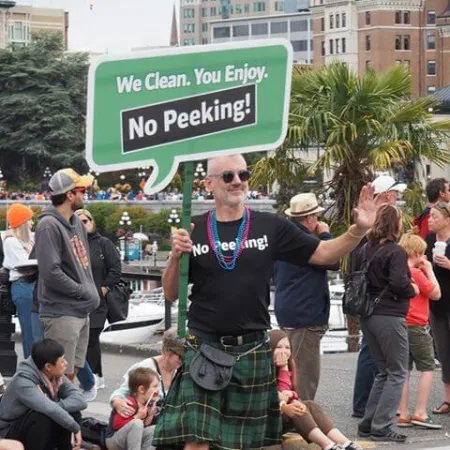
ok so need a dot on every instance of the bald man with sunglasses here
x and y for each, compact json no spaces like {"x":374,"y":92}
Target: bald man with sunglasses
{"x":232,"y":250}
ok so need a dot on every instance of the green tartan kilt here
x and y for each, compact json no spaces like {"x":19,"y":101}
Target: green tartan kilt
{"x":245,"y":415}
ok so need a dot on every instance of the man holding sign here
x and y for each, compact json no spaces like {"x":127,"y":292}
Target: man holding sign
{"x":227,"y":398}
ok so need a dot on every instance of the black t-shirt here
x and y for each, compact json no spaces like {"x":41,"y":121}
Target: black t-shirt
{"x":441,"y":306}
{"x":235,"y":301}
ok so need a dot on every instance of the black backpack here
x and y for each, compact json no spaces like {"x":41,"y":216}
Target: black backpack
{"x":358,"y":301}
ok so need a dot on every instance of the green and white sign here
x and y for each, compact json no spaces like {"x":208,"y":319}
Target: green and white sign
{"x":171,"y":105}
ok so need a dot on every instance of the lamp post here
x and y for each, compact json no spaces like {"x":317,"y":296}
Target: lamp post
{"x":174,"y":220}
{"x":125,"y":221}
{"x":1,"y":180}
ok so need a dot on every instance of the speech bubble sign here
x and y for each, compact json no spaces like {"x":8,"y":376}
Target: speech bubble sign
{"x":166,"y":106}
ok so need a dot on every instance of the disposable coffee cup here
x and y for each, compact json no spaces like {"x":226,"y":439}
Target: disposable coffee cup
{"x":439,"y":248}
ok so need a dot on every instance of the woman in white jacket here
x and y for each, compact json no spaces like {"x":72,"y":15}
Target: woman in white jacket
{"x":17,"y":245}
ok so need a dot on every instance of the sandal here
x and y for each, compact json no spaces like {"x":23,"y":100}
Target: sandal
{"x":444,"y":408}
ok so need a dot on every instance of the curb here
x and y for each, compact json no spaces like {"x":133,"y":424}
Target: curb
{"x":147,"y":350}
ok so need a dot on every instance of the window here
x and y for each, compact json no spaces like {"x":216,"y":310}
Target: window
{"x":189,"y":13}
{"x":431,"y":67}
{"x":431,"y":17}
{"x":189,"y":28}
{"x":368,"y":43}
{"x":398,"y":17}
{"x":431,"y":41}
{"x":279,"y":27}
{"x":323,"y":48}
{"x":338,"y":21}
{"x":431,"y":89}
{"x":406,"y":42}
{"x":246,"y":8}
{"x":368,"y":64}
{"x":368,"y":18}
{"x":344,"y":20}
{"x":240,"y":30}
{"x":402,"y":42}
{"x":19,"y":34}
{"x":331,"y":21}
{"x":406,"y":17}
{"x":221,"y":32}
{"x":238,"y":9}
{"x":279,"y":6}
{"x":300,"y":46}
{"x":204,"y":12}
{"x":344,"y":45}
{"x":331,"y":46}
{"x":259,"y":29}
{"x":204,"y":41}
{"x":259,"y":6}
{"x":213,"y":11}
{"x":398,"y":62}
{"x":189,"y":42}
{"x":204,"y":27}
{"x":407,"y":62}
{"x":299,"y":25}
{"x":338,"y":46}
{"x":322,"y":24}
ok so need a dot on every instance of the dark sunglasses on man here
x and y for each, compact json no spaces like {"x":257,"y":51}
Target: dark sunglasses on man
{"x":228,"y":175}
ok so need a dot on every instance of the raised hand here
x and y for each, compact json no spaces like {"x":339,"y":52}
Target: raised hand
{"x":365,"y":211}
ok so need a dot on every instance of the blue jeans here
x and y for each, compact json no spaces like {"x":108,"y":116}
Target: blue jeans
{"x":36,"y":327}
{"x":86,"y":377}
{"x":366,"y":371}
{"x":22,"y":297}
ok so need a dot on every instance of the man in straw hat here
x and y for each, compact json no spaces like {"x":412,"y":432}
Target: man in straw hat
{"x":302,"y":297}
{"x":66,"y":290}
{"x":232,"y":250}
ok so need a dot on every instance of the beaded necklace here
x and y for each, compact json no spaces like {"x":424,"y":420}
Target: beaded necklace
{"x":228,"y":262}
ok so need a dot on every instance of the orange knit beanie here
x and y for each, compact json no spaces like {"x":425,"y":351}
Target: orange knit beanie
{"x":18,"y":214}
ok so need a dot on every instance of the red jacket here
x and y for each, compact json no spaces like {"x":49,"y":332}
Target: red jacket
{"x":422,"y":223}
{"x":120,"y":421}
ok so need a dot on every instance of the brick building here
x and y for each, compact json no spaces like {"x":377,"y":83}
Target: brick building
{"x":17,"y":23}
{"x":380,"y":33}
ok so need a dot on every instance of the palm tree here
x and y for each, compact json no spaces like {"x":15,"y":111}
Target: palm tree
{"x":362,"y":124}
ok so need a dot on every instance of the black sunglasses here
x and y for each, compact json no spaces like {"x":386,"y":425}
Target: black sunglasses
{"x":86,"y":221}
{"x":228,"y":176}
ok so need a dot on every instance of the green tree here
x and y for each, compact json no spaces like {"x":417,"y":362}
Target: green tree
{"x":43,"y":104}
{"x":361,"y":124}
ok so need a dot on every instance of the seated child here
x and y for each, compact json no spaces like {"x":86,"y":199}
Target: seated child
{"x":421,"y":351}
{"x":135,"y":432}
{"x":305,"y":418}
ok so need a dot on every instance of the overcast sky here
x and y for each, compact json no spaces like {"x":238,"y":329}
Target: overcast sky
{"x":114,"y":25}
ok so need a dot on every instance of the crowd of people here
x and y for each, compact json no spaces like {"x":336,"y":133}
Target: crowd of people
{"x":230,"y":383}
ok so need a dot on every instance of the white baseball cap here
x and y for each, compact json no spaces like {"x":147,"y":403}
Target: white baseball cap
{"x":385,"y":183}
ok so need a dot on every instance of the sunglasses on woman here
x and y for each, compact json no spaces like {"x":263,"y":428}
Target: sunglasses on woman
{"x":443,"y":207}
{"x":228,"y":175}
{"x":86,"y":221}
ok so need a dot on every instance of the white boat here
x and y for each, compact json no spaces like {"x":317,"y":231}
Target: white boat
{"x":335,"y":339}
{"x":145,"y":316}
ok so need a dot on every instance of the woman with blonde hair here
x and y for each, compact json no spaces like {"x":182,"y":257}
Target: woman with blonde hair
{"x":18,"y":242}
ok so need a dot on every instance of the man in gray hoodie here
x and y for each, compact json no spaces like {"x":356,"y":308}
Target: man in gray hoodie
{"x":40,"y":403}
{"x":66,"y":290}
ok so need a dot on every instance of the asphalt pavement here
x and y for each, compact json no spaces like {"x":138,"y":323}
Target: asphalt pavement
{"x":334,"y":395}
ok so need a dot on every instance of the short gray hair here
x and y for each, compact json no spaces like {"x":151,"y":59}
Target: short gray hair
{"x":172,"y":342}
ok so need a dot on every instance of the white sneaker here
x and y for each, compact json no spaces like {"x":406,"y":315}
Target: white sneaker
{"x":99,"y":382}
{"x":91,"y":395}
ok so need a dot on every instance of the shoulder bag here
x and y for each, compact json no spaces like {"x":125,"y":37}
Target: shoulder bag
{"x":358,"y":301}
